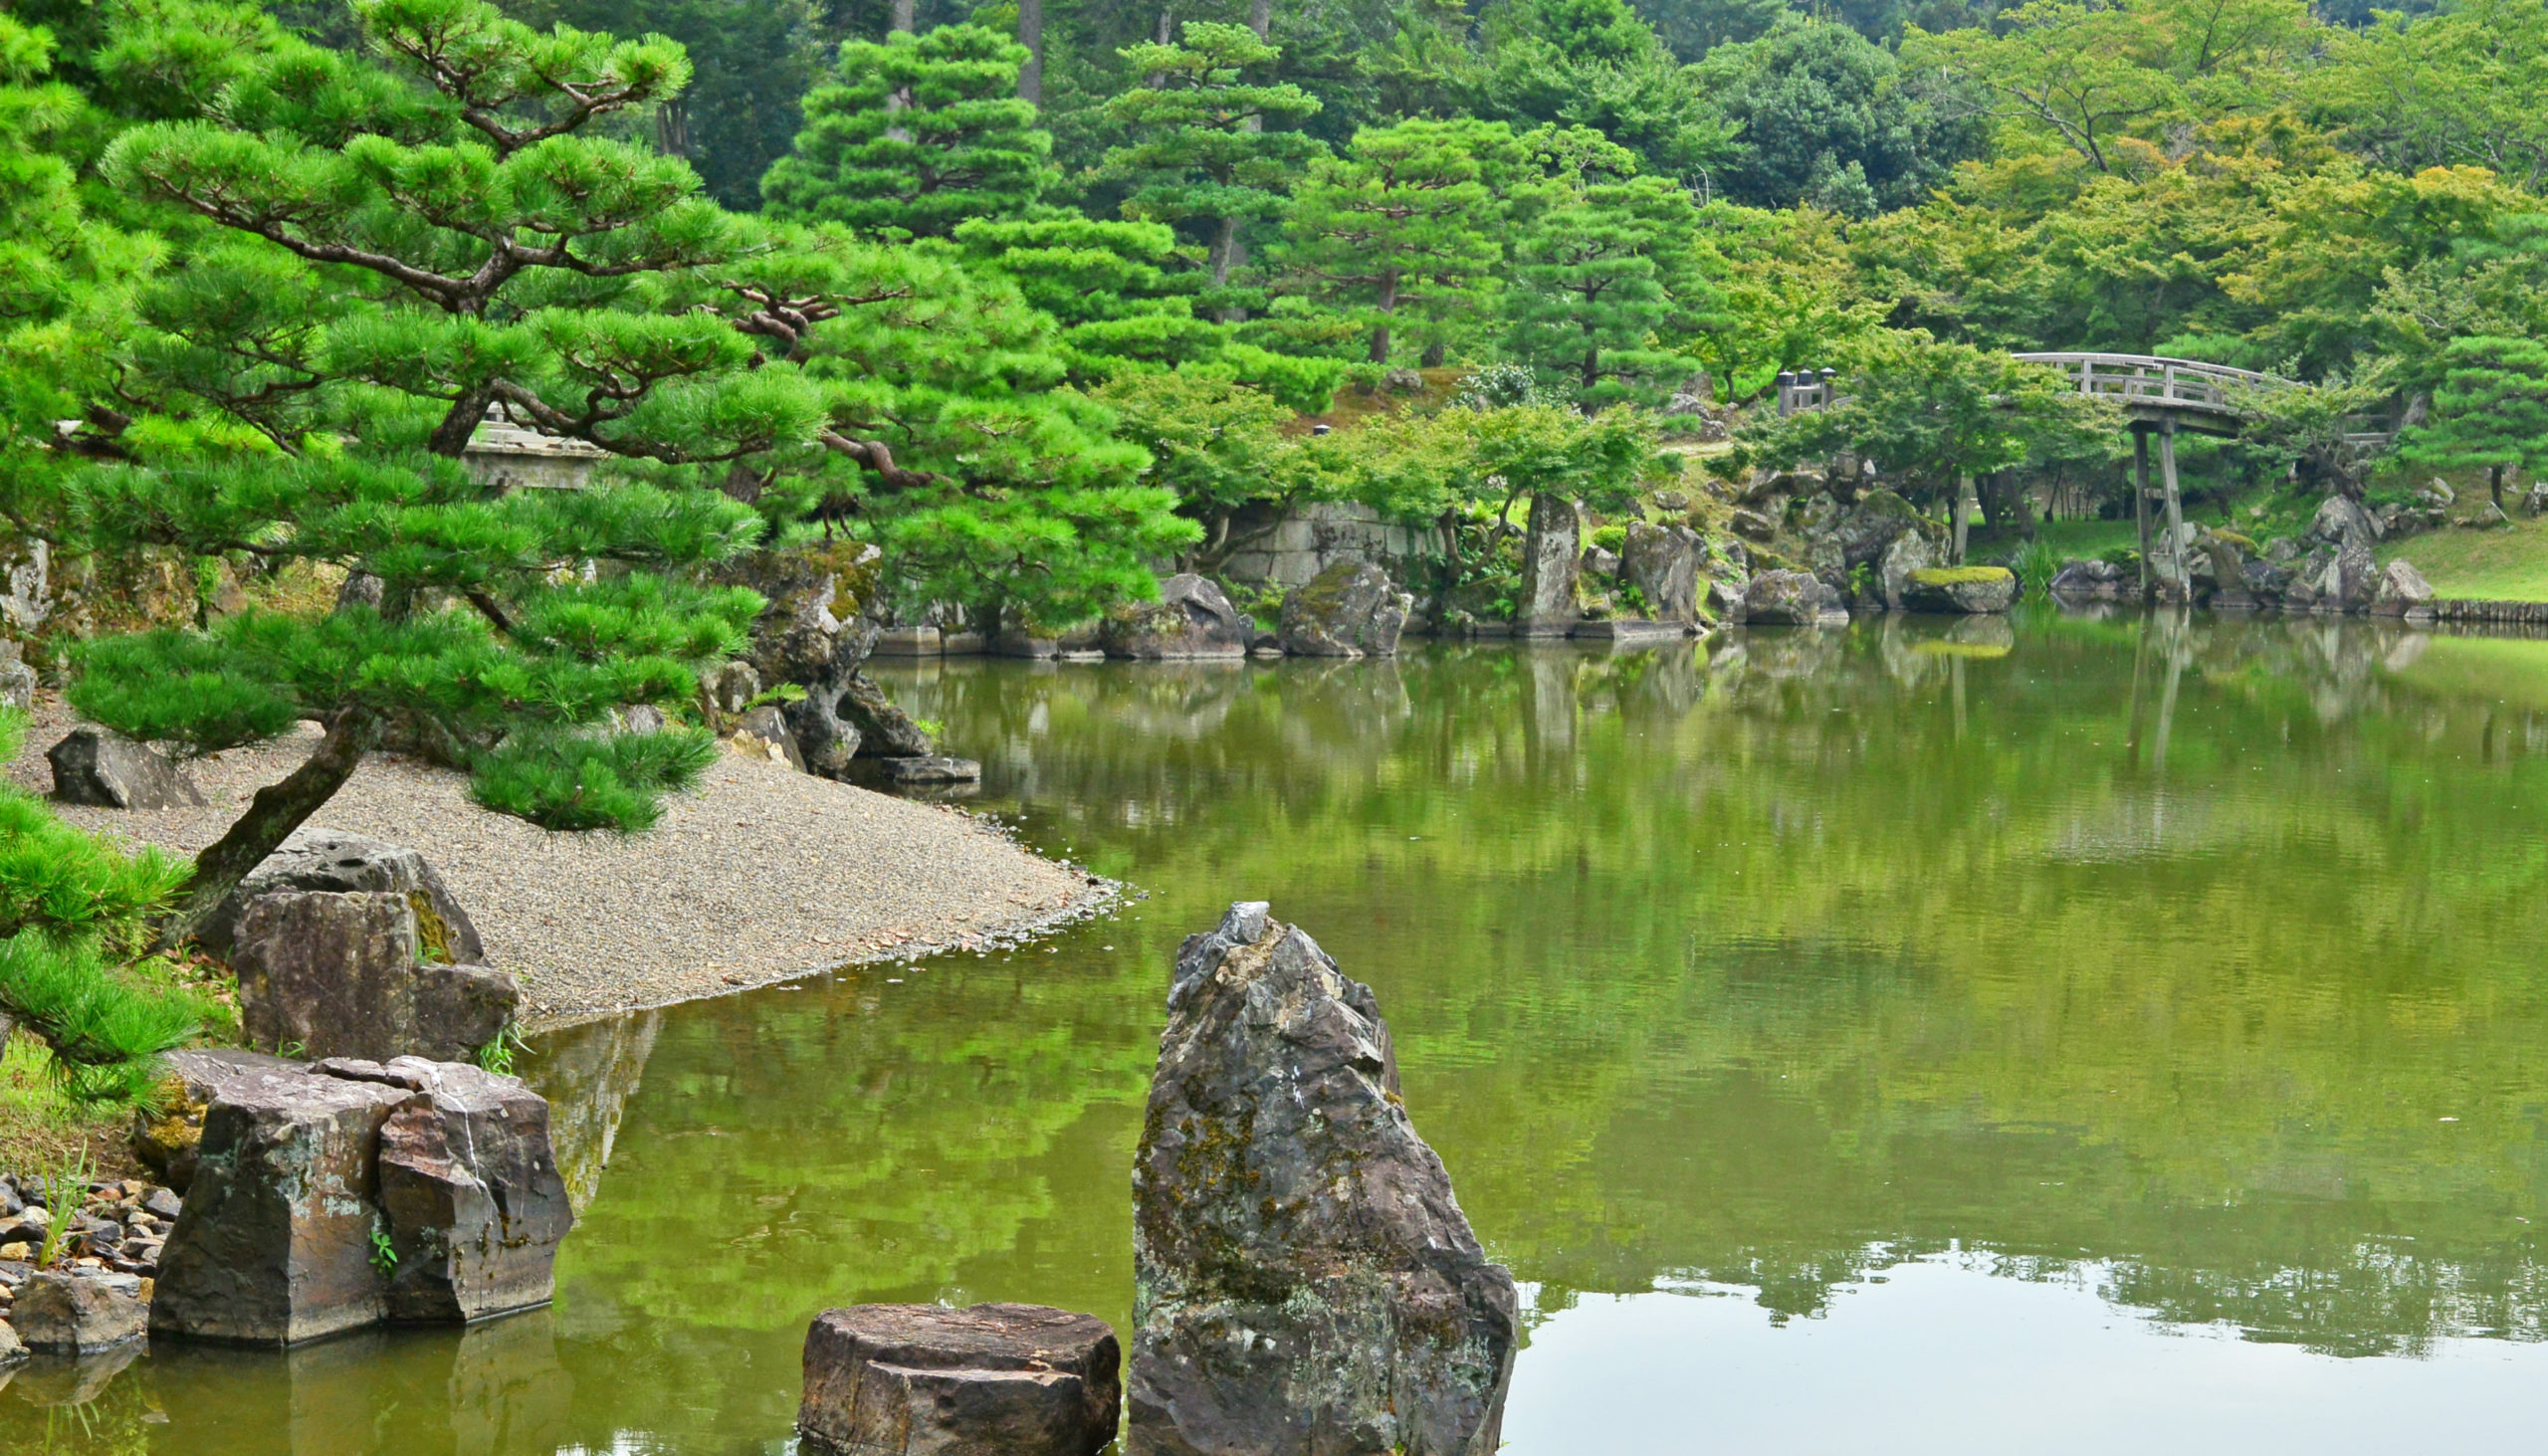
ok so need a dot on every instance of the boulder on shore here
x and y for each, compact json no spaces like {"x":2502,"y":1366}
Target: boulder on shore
{"x":77,"y":1311}
{"x":330,"y":975}
{"x":1351,"y":609}
{"x":1792,"y":599}
{"x":1961,"y":590}
{"x":1192,"y":618}
{"x":989,"y":1381}
{"x":1551,"y":565}
{"x":763,"y":733}
{"x":1662,"y":564}
{"x":334,"y":860}
{"x":107,"y":772}
{"x":2402,"y":591}
{"x":2092,"y":582}
{"x":1305,"y":1280}
{"x":337,"y":1195}
{"x":166,"y":1135}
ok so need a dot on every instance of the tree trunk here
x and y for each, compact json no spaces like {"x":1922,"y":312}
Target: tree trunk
{"x":1030,"y":34}
{"x":1223,"y":247}
{"x":901,"y":21}
{"x":1389,"y":308}
{"x":2496,"y":486}
{"x":1435,"y":354}
{"x":277,"y":810}
{"x":1260,"y":18}
{"x":451,"y":437}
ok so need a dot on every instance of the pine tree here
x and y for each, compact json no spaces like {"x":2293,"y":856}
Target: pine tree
{"x":1404,"y":227}
{"x":2490,"y":413}
{"x":1603,"y":270}
{"x":918,"y":134}
{"x":1206,"y":151}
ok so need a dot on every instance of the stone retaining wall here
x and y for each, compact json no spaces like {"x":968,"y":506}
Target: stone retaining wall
{"x":1290,"y":550}
{"x":2492,"y":613}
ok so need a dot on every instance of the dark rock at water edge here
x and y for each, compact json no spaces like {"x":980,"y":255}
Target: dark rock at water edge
{"x":334,"y":860}
{"x":78,"y":1313}
{"x":1305,"y":1280}
{"x":1351,"y":609}
{"x":1662,"y":564}
{"x":341,"y":974}
{"x":102,"y":770}
{"x":304,"y":1175}
{"x":166,"y":1136}
{"x":1192,"y":618}
{"x":1552,"y":565}
{"x":2094,"y":581}
{"x":995,"y":1379}
{"x":1792,"y":599}
{"x":885,"y":730}
{"x":922,"y":770}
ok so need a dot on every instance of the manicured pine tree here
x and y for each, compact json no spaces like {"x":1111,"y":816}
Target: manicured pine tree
{"x":2490,"y":413}
{"x":1404,"y":228}
{"x":1207,"y":150}
{"x":1603,"y":271}
{"x":918,"y":134}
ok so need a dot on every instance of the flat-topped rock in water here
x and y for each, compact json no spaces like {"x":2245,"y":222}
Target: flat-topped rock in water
{"x":78,"y":1313}
{"x":1305,"y":1281}
{"x":989,"y":1380}
{"x":1961,"y":590}
{"x":90,"y":766}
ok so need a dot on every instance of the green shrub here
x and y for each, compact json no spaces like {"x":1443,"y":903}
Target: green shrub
{"x":1610,"y":537}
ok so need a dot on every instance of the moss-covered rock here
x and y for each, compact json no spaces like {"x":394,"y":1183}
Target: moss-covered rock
{"x":1960,"y":590}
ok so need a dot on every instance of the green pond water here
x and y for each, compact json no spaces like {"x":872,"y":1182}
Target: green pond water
{"x":2094,"y":1036}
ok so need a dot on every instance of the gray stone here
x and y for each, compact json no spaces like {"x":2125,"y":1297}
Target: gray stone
{"x":1961,"y":590}
{"x":1792,"y":599}
{"x":332,"y":858}
{"x":2347,"y":580}
{"x":1600,"y":562}
{"x":1871,"y":527}
{"x":816,"y":625}
{"x":1192,"y":618}
{"x":1662,"y":564}
{"x":107,"y":771}
{"x":825,"y":737}
{"x":12,"y":1349}
{"x":1906,"y":553}
{"x":18,"y":681}
{"x":74,"y":1314}
{"x":987,"y":1381}
{"x":885,"y":730}
{"x":926,"y":768}
{"x":1351,"y":609}
{"x":1754,"y":525}
{"x":2535,"y":502}
{"x":763,"y":734}
{"x":733,"y":686}
{"x":1305,"y":1280}
{"x":1552,"y":560}
{"x":163,"y":1204}
{"x":2400,"y":591}
{"x":338,"y":974}
{"x":166,"y":1138}
{"x":2342,"y":521}
{"x":2489,"y":516}
{"x":305,"y":1173}
{"x":275,"y":1242}
{"x":469,"y":1186}
{"x":2092,"y":582}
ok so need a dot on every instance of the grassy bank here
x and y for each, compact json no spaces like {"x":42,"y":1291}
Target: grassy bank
{"x":2508,"y":564}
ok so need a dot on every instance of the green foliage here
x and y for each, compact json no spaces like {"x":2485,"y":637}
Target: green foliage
{"x":1216,"y":443}
{"x":2490,"y":413}
{"x":1825,"y":117}
{"x":917,"y":134}
{"x":572,"y":782}
{"x":65,"y":1188}
{"x":1603,"y":271}
{"x":2036,"y":563}
{"x":384,"y":1254}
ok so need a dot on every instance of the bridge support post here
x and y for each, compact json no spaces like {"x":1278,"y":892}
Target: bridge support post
{"x":2141,"y":498}
{"x":2175,"y":508}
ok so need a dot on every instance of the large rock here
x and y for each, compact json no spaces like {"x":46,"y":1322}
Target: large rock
{"x":1305,"y":1280}
{"x":470,"y":1185}
{"x":824,"y":738}
{"x":18,"y":681}
{"x":275,"y":1244}
{"x":1871,"y":527}
{"x":167,"y":1134}
{"x":989,"y":1381}
{"x":323,"y":973}
{"x":334,"y":860}
{"x":1191,"y":618}
{"x":1964,"y":590}
{"x":1552,"y":560}
{"x":763,"y":734}
{"x":2342,"y":521}
{"x":2092,"y":582}
{"x":1906,"y":553}
{"x":335,"y":1197}
{"x":816,"y":626}
{"x":885,"y":730}
{"x":110,"y":772}
{"x":2402,"y":591}
{"x":1662,"y":564}
{"x":76,"y":1313}
{"x":1791,"y":599}
{"x":1351,"y":609}
{"x":2345,"y":580}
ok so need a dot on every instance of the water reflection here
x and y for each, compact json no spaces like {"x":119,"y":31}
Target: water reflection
{"x":2000,"y":1002}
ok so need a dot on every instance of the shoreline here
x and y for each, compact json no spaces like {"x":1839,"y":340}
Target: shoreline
{"x":759,"y":876}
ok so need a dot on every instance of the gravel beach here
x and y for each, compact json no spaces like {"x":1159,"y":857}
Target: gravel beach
{"x":762,"y":874}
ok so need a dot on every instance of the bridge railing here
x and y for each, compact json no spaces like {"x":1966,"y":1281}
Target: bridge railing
{"x":2156,"y":380}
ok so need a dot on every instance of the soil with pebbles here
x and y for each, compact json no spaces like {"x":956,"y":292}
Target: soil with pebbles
{"x":761,"y":874}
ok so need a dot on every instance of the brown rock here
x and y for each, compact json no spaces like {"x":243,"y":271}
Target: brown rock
{"x":474,"y":1203}
{"x":165,"y":1140}
{"x":112,"y":772}
{"x":331,"y":974}
{"x":989,"y":1380}
{"x":74,"y":1314}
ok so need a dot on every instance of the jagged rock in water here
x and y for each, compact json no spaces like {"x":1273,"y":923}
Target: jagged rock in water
{"x":2346,"y":581}
{"x":344,"y":975}
{"x":1903,"y":556}
{"x":1191,"y":618}
{"x":816,"y":626}
{"x":826,"y":737}
{"x":1961,"y":590}
{"x":305,"y":1174}
{"x":107,"y":772}
{"x":1552,"y":560}
{"x":1306,"y":1284}
{"x":885,"y":730}
{"x":77,"y":1312}
{"x":1871,"y":526}
{"x":332,"y":858}
{"x":989,"y":1381}
{"x":2402,"y":591}
{"x":1792,"y":599}
{"x":1351,"y":609}
{"x":1662,"y":564}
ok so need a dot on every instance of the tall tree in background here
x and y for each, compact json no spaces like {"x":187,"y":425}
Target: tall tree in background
{"x":1827,"y":117}
{"x":1603,"y":270}
{"x":918,"y":134}
{"x":1403,"y":228}
{"x":2490,"y":413}
{"x":1202,"y":155}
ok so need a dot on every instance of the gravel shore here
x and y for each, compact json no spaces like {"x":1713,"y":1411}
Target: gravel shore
{"x":762,"y":874}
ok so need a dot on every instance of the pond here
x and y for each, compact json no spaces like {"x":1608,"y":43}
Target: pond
{"x":2093,"y":1035}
